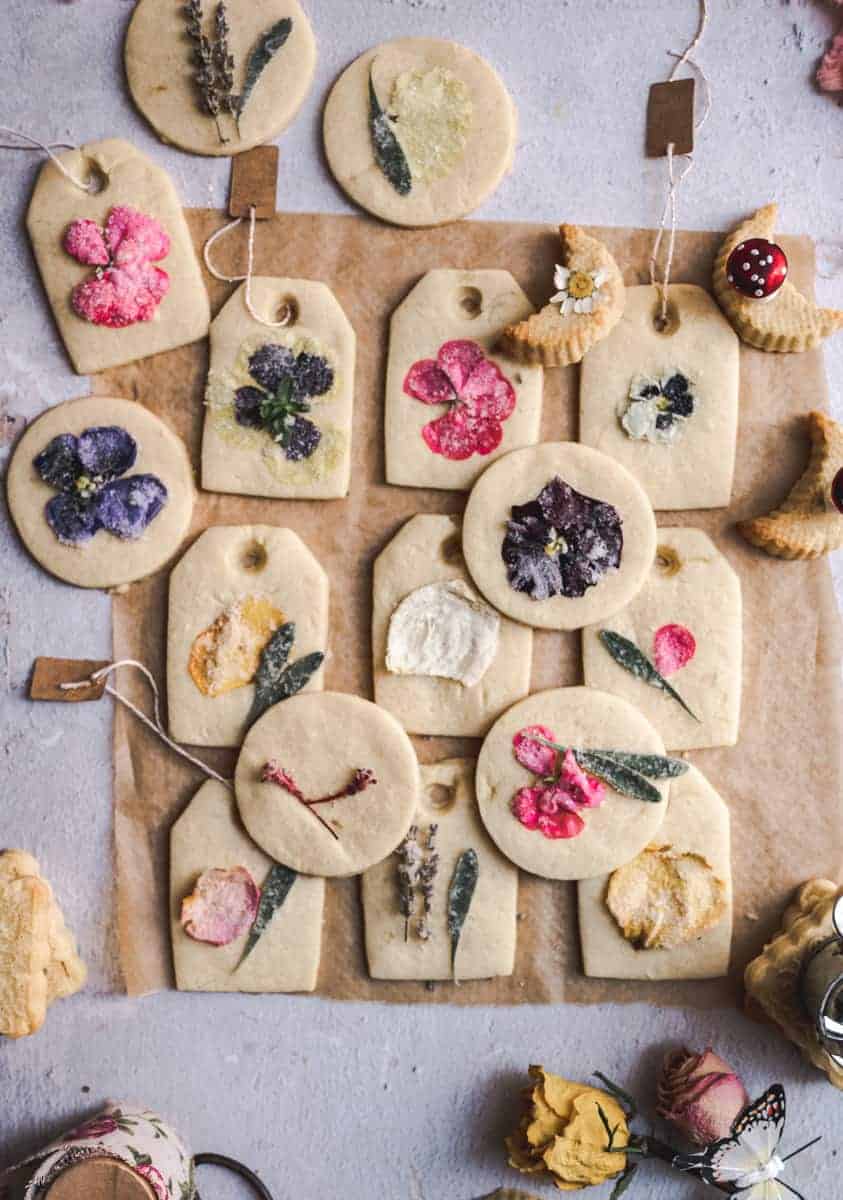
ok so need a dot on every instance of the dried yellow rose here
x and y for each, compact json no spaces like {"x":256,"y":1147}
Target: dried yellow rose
{"x":226,"y":655}
{"x":563,"y":1135}
{"x":663,"y":899}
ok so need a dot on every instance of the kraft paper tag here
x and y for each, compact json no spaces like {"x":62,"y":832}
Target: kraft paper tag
{"x":670,"y":118}
{"x":254,"y":177}
{"x":50,"y":673}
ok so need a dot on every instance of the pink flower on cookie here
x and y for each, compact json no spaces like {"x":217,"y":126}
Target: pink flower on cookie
{"x":673,"y":648}
{"x":126,"y":287}
{"x":552,"y":805}
{"x":478,"y":395}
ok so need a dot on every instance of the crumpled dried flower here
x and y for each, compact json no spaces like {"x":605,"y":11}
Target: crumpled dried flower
{"x":700,"y":1094}
{"x":830,"y":70}
{"x":562,"y":1133}
{"x":552,"y":805}
{"x":126,"y":288}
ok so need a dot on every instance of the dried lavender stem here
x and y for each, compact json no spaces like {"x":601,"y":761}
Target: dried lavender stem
{"x":408,"y":873}
{"x":427,"y":877}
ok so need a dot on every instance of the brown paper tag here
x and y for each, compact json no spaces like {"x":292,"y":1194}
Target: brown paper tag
{"x":49,"y":673}
{"x":670,"y":118}
{"x":100,"y":1179}
{"x":254,"y":177}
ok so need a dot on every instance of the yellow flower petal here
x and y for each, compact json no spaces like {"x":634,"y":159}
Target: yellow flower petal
{"x":226,"y":655}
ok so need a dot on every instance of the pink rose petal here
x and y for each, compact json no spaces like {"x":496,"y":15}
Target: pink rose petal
{"x":525,"y":807}
{"x":459,"y":359}
{"x":586,"y":791}
{"x":222,"y":906}
{"x":673,"y":648}
{"x":450,"y":435}
{"x":488,"y":392}
{"x":426,"y":381}
{"x":830,"y":71}
{"x":133,"y":237}
{"x":565,"y":825}
{"x":83,"y":240}
{"x":531,"y":754}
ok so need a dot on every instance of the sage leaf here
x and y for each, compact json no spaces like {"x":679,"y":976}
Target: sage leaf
{"x":388,"y":153}
{"x":627,"y":655}
{"x":460,"y":895}
{"x":274,"y":679}
{"x":653,"y":766}
{"x":262,"y":54}
{"x":276,"y":888}
{"x":622,"y":778}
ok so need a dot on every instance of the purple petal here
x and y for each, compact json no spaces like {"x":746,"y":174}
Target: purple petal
{"x":107,"y":451}
{"x":127,"y":506}
{"x":247,"y":407}
{"x":312,"y":376}
{"x":303,"y":440}
{"x":58,"y":463}
{"x":71,"y":519}
{"x":270,"y":364}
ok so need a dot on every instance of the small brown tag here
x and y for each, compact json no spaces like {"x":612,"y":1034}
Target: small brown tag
{"x":670,"y":118}
{"x":49,"y":673}
{"x":254,"y":177}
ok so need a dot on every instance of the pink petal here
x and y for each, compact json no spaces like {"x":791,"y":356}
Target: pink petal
{"x":222,"y":905}
{"x":459,"y":359}
{"x":673,"y":648}
{"x":488,"y":392}
{"x":451,"y":436}
{"x":121,"y":297}
{"x":525,"y":808}
{"x":558,"y":798}
{"x":84,"y":241}
{"x":133,"y":237}
{"x":586,"y":791}
{"x":486,"y":435}
{"x":426,"y":381}
{"x":531,"y":754}
{"x":830,"y":72}
{"x":565,"y":825}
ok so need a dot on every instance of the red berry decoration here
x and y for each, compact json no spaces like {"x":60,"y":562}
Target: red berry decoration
{"x":757,"y":268}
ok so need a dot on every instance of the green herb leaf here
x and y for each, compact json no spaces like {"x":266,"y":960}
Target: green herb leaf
{"x":653,"y":766}
{"x":627,"y":655}
{"x":623,"y":779}
{"x":388,"y":153}
{"x":623,"y":1097}
{"x":297,"y":674}
{"x":460,"y":895}
{"x":624,"y":1182}
{"x":276,"y":888}
{"x":274,"y":680}
{"x":263,"y":52}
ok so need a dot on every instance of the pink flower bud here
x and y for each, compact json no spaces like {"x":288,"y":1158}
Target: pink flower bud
{"x":700,"y":1094}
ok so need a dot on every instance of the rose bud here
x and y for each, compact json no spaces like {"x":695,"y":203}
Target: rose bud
{"x":700,"y":1094}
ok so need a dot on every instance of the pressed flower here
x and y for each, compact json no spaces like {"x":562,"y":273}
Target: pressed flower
{"x":478,"y":395}
{"x":552,"y":805}
{"x":126,"y":287}
{"x":658,"y":407}
{"x":561,"y":543}
{"x":85,"y":472}
{"x":673,"y":648}
{"x":579,"y":291}
{"x":221,"y":907}
{"x":285,"y":385}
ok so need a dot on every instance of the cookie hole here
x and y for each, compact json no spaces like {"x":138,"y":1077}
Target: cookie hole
{"x":96,"y":180}
{"x":451,"y":549}
{"x":667,"y":560}
{"x":254,"y":557}
{"x":441,"y":795}
{"x":470,"y":302}
{"x":288,"y":310}
{"x":668,"y":323}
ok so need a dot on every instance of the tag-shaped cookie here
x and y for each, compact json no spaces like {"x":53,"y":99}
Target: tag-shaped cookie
{"x":667,"y":914}
{"x":452,"y":404}
{"x":444,"y":906}
{"x":664,"y":403}
{"x":445,"y":662}
{"x":675,"y":651}
{"x":279,"y":401}
{"x":275,"y":951}
{"x":117,"y":262}
{"x":241,"y":597}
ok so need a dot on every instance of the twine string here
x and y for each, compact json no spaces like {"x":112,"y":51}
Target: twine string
{"x":206,"y":254}
{"x":86,"y":185}
{"x":154,"y":723}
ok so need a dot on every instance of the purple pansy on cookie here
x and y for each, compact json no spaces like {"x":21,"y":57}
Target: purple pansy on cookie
{"x":561,"y":543}
{"x":86,"y":470}
{"x":286,"y":383}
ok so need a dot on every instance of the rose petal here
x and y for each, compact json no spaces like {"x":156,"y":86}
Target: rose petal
{"x":450,"y":435}
{"x":84,"y":241}
{"x":585,"y":790}
{"x":673,"y":648}
{"x":58,"y":463}
{"x":539,"y":759}
{"x":830,"y":71}
{"x":486,"y":435}
{"x":426,"y":381}
{"x":127,"y":506}
{"x":488,"y":392}
{"x":459,"y":359}
{"x":247,"y":407}
{"x":71,"y":518}
{"x":134,"y":238}
{"x":107,"y":451}
{"x":222,"y":906}
{"x":564,"y":825}
{"x":270,"y":365}
{"x":525,"y":806}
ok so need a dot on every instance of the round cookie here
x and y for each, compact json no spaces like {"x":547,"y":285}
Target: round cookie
{"x":314,"y":746}
{"x":101,"y":559}
{"x":161,"y":66}
{"x":558,"y":535}
{"x":616,"y":831}
{"x":445,"y":118}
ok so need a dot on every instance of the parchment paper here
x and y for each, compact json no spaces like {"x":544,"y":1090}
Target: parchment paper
{"x":782,"y":781}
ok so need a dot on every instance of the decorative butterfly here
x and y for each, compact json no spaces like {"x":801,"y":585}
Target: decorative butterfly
{"x":748,"y":1163}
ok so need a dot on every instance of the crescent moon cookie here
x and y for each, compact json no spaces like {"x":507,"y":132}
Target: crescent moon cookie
{"x":549,"y":794}
{"x":785,"y":322}
{"x":101,"y":491}
{"x":327,"y":783}
{"x":419,"y":131}
{"x":558,"y":536}
{"x":586,"y":307}
{"x":809,"y":523}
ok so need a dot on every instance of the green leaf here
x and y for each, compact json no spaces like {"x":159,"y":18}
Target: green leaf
{"x":460,"y":895}
{"x":623,"y":1097}
{"x":276,"y":888}
{"x":274,"y":680}
{"x":622,"y":778}
{"x":627,"y":655}
{"x":388,"y":153}
{"x":263,"y":52}
{"x":624,"y":1182}
{"x":653,"y":766}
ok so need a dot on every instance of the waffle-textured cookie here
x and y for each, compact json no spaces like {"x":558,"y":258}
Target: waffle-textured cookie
{"x":788,"y":322}
{"x":554,"y":339}
{"x":808,"y":523}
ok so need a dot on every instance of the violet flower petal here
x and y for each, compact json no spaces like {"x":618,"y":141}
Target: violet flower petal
{"x":312,"y":376}
{"x":270,"y":364}
{"x":72,"y":519}
{"x":303,"y":440}
{"x":107,"y":451}
{"x":127,"y":506}
{"x":247,"y":407}
{"x":58,"y":463}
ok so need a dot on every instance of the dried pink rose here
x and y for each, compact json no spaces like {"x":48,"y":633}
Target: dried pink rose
{"x":126,"y":287}
{"x":673,"y":648}
{"x":830,"y":70}
{"x":222,"y":906}
{"x":700,"y":1094}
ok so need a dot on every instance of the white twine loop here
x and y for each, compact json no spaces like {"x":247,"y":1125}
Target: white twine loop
{"x":86,"y":185}
{"x":155,"y":723}
{"x":206,"y":254}
{"x":674,"y":181}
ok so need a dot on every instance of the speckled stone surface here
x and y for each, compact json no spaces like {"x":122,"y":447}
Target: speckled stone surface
{"x":334,"y":1100}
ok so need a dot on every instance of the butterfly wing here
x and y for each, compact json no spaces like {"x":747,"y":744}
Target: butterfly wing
{"x":754,"y":1139}
{"x":770,"y":1189}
